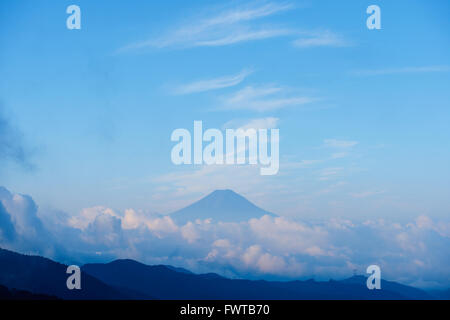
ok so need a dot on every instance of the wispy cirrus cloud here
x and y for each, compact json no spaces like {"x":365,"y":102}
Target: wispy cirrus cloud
{"x":365,"y":194}
{"x":342,"y":148}
{"x":261,"y":99}
{"x":302,"y":164}
{"x":403,"y":70}
{"x":247,"y":13}
{"x":227,"y":27}
{"x":257,"y":123}
{"x":239,"y":24}
{"x":320,"y":39}
{"x":335,"y":143}
{"x":329,"y":173}
{"x":213,"y":84}
{"x":243,"y":36}
{"x":339,"y":155}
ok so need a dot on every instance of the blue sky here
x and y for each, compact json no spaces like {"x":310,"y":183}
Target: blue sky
{"x":363,"y":114}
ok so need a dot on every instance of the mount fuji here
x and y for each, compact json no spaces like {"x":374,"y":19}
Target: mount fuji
{"x":220,"y":205}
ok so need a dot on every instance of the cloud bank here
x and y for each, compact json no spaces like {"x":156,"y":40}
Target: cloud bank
{"x":414,"y":253}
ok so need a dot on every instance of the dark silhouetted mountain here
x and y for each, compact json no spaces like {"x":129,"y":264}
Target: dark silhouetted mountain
{"x":177,"y":269}
{"x":336,"y":290}
{"x":13,"y":294}
{"x":34,"y":277}
{"x":440,"y":294}
{"x":162,"y":282}
{"x":39,"y":275}
{"x":355,"y":288}
{"x":406,"y":291}
{"x":220,"y":205}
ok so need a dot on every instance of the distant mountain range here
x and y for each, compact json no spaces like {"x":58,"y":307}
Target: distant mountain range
{"x":127,"y":279}
{"x":220,"y":205}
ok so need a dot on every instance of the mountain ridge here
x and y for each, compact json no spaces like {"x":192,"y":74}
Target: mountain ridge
{"x":164,"y":283}
{"x":130,"y":279}
{"x":40,"y":275}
